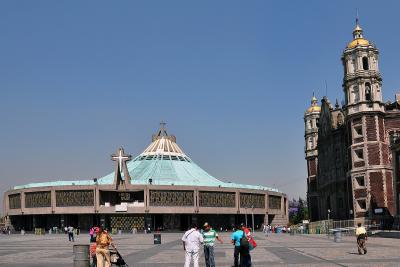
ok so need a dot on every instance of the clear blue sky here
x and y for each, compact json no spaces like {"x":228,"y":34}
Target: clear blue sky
{"x":231,"y":78}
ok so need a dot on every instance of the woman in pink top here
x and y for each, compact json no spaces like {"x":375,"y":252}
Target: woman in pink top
{"x":91,"y":233}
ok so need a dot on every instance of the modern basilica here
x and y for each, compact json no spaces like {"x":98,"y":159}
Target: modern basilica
{"x":161,"y":188}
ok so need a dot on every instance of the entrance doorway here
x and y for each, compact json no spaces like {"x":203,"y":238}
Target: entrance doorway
{"x":186,"y":221}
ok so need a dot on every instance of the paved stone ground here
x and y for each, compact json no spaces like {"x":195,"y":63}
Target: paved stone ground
{"x":139,"y":251}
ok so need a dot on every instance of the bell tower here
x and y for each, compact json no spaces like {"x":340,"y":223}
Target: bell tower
{"x":370,"y":170}
{"x":362,"y":81}
{"x":311,"y":119}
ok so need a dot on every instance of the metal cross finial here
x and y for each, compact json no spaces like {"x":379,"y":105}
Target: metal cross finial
{"x":357,"y":16}
{"x":163,"y":131}
{"x":162,"y":125}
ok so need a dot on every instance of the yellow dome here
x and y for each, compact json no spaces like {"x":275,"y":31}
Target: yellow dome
{"x":314,"y":109}
{"x":314,"y":105}
{"x":358,"y":38}
{"x":357,"y":42}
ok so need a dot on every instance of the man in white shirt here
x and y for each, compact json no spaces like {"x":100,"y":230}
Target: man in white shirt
{"x":70,"y":231}
{"x":192,"y":241}
{"x":361,"y":235}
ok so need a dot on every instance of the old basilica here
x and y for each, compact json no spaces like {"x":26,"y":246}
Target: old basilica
{"x":352,"y":151}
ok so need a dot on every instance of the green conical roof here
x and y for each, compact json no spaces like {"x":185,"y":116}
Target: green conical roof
{"x":165,"y":163}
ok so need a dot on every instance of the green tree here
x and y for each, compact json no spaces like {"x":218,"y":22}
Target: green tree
{"x":301,"y":214}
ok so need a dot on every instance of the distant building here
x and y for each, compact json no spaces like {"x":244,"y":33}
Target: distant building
{"x":161,"y":188}
{"x":349,"y":148}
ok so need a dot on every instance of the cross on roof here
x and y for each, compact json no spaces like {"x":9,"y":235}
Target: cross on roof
{"x":120,"y":157}
{"x":162,"y":125}
{"x":163,"y":130}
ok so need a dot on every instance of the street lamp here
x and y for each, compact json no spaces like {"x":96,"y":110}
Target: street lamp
{"x":245,"y":214}
{"x":327,"y":224}
{"x":252,"y":216}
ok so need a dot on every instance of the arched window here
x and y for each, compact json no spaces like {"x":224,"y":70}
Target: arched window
{"x":365,"y":63}
{"x":311,"y":143}
{"x":368,"y":96}
{"x":340,"y":119}
{"x":356,"y":94}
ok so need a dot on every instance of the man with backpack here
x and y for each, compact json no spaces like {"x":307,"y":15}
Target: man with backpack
{"x":242,"y":247}
{"x":247,"y":243}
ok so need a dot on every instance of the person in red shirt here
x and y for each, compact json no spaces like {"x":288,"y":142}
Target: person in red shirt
{"x":252,"y":244}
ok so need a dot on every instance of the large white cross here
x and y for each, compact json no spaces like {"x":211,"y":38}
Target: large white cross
{"x":120,"y":157}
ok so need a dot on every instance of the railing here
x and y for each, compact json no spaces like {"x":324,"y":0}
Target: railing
{"x":327,"y":227}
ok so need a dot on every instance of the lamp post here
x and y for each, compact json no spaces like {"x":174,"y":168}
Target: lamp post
{"x":245,"y":214}
{"x":252,"y":217}
{"x":96,"y":199}
{"x":327,"y":224}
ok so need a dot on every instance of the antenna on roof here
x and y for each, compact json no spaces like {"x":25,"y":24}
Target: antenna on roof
{"x":356,"y":16}
{"x":326,"y":88}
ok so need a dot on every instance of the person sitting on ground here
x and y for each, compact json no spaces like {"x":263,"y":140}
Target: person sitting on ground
{"x":103,"y":241}
{"x":361,"y":235}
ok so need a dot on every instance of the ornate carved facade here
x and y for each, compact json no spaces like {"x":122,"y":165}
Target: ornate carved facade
{"x":252,"y":201}
{"x":70,"y":198}
{"x":171,"y":198}
{"x":274,"y":202}
{"x":216,"y":199}
{"x":14,"y":201}
{"x":125,"y":222}
{"x":38,"y":199}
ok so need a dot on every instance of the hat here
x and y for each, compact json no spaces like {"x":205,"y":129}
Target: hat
{"x":206,"y":224}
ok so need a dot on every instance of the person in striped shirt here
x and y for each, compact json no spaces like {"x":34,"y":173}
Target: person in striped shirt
{"x":209,"y":236}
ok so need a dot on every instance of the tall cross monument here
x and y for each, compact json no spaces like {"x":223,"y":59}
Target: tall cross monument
{"x":120,"y":159}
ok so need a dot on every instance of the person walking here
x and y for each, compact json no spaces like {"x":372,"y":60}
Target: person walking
{"x":103,"y":241}
{"x":70,"y":231}
{"x":361,"y":235}
{"x":209,"y":236}
{"x":192,"y":241}
{"x":235,"y":240}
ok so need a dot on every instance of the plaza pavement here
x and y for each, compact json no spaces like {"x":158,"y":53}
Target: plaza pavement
{"x":139,"y":251}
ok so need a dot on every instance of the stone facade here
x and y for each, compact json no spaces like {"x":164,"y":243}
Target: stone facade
{"x":353,"y":156}
{"x":167,"y":207}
